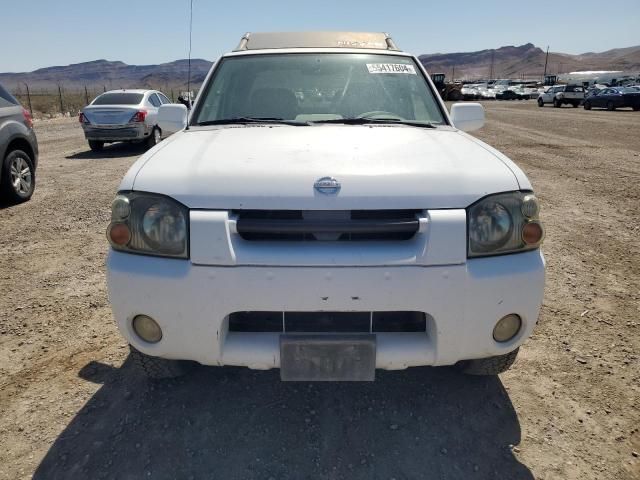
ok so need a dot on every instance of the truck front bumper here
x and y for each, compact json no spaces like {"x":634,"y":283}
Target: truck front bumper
{"x":191,"y":303}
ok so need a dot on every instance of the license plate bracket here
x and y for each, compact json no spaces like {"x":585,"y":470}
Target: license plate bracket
{"x":328,"y":357}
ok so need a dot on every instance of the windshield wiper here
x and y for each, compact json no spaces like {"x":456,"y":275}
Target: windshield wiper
{"x":380,"y":121}
{"x":246,"y":120}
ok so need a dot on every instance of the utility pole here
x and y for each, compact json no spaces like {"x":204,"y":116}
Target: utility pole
{"x":546,"y":58}
{"x":60,"y":95}
{"x":29,"y":99}
{"x":453,"y":73}
{"x":493,"y":54}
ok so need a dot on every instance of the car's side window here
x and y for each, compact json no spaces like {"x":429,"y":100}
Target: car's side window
{"x":153,"y":99}
{"x":6,"y":99}
{"x":163,"y":98}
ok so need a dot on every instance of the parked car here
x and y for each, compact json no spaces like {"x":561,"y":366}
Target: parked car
{"x":488,"y":94}
{"x":324,"y":239}
{"x":560,"y":95}
{"x":123,"y":116}
{"x":18,"y":150}
{"x":614,"y":97}
{"x":470,"y":92}
{"x":507,"y":94}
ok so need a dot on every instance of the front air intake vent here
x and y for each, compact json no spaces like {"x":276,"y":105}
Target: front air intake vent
{"x":327,"y":225}
{"x":328,"y":322}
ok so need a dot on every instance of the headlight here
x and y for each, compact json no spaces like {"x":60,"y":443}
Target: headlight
{"x":150,"y":224}
{"x":504,"y":223}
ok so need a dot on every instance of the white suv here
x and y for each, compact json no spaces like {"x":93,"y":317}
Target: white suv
{"x":562,"y":95}
{"x":322,"y":213}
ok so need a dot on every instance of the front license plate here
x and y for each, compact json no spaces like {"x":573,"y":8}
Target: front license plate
{"x":328,"y":358}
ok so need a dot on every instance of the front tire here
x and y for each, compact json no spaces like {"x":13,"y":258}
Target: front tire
{"x":158,"y":368}
{"x":587,"y":105}
{"x":556,"y":103}
{"x":96,"y":145}
{"x":488,"y":366}
{"x":154,"y":138}
{"x":540,"y":103}
{"x":610,"y":106}
{"x":18,"y":177}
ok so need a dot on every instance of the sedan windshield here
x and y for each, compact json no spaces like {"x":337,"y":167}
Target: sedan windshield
{"x":318,"y":88}
{"x":118,"y":99}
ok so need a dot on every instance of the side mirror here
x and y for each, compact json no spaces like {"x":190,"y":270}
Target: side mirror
{"x":172,"y":118}
{"x":467,"y":116}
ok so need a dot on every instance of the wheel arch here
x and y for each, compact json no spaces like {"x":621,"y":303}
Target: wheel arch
{"x":20,"y":143}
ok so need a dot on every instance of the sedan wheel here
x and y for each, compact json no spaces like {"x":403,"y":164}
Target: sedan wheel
{"x":154,"y":138}
{"x":540,"y":103}
{"x":587,"y":105}
{"x":610,"y":106}
{"x":18,"y":179}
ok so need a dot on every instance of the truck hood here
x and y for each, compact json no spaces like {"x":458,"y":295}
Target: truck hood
{"x":275,"y":167}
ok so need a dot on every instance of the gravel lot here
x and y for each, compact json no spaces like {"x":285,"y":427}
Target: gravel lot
{"x":71,"y":406}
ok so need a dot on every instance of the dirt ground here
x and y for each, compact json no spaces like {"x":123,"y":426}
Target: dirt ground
{"x":72,"y":406}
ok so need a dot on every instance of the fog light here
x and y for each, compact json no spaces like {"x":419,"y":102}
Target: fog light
{"x":120,"y":208}
{"x":507,"y":328}
{"x":147,"y":329}
{"x":530,"y":207}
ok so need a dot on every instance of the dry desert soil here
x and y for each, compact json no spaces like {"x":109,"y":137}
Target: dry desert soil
{"x":72,"y":406}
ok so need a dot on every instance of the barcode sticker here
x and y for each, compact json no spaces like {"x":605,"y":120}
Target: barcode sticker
{"x":391,"y":68}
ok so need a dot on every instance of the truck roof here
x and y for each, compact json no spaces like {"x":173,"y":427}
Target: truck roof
{"x":351,"y":40}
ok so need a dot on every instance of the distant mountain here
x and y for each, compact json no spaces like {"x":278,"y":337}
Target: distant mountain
{"x":511,"y":61}
{"x":107,"y":74}
{"x":527,"y":61}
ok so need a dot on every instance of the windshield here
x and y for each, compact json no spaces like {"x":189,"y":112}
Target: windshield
{"x":118,"y":99}
{"x":318,"y":87}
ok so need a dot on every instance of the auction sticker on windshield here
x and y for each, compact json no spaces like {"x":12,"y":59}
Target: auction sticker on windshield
{"x":391,"y":68}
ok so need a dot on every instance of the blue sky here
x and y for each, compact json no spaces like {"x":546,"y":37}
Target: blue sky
{"x":42,"y":33}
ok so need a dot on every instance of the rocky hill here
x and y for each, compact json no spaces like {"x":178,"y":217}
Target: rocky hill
{"x":107,"y":74}
{"x":510,"y":61}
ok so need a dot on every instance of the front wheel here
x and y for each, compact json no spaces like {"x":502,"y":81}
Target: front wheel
{"x":154,"y":138}
{"x":488,"y":366}
{"x":610,"y":106}
{"x":158,"y":368}
{"x":540,"y":103}
{"x":635,"y":109}
{"x":18,"y":178}
{"x":587,"y":105}
{"x":95,"y":145}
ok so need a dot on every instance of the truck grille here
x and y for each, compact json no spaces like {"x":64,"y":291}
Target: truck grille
{"x":328,"y":322}
{"x":327,"y":225}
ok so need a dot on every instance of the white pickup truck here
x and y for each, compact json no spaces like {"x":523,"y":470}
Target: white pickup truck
{"x":319,"y":211}
{"x":560,"y":95}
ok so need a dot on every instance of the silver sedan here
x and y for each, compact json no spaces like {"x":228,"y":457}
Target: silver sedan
{"x":123,"y":116}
